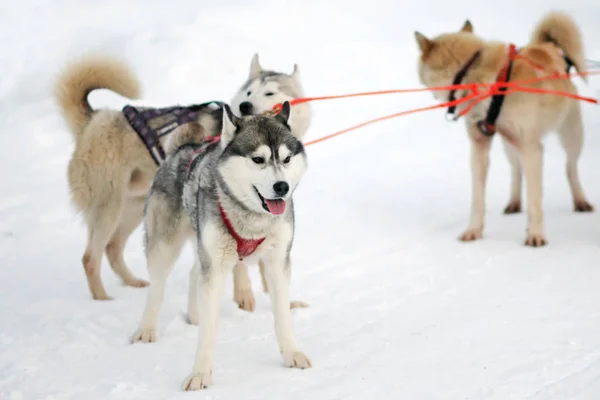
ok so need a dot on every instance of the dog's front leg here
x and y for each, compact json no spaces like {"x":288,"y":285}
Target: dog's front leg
{"x":193,"y":313}
{"x":480,"y":160}
{"x":212,"y":281}
{"x":531,"y":159}
{"x":277,"y":273}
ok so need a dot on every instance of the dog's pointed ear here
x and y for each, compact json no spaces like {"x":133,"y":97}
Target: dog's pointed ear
{"x":255,"y":68}
{"x":467,"y":27}
{"x":230,"y":125}
{"x":284,"y":113}
{"x":424,"y":43}
{"x":296,"y":73}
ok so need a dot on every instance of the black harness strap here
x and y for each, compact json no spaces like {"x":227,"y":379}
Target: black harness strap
{"x":457,"y":81}
{"x":487,"y":126}
{"x":569,"y":62}
{"x":567,"y":59}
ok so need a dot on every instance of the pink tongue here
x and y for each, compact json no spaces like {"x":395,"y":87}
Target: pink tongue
{"x":276,"y":207}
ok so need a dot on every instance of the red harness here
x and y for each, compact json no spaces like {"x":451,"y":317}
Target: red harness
{"x":245,"y":247}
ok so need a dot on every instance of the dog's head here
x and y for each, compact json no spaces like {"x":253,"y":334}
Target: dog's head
{"x":265,"y":88}
{"x":443,"y":56}
{"x":262,"y":162}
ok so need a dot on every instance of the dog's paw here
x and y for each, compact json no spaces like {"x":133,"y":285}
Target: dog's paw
{"x":103,"y":297}
{"x":513,"y":207}
{"x":245,"y":299}
{"x":197,"y":381}
{"x":135,"y":282}
{"x":193,"y":318}
{"x":471,"y":234}
{"x":144,"y":335}
{"x":296,"y":359}
{"x":535,"y":240}
{"x":297,"y":304}
{"x":583,"y":206}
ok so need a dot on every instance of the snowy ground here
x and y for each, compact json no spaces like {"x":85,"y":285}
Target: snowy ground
{"x":399,"y":308}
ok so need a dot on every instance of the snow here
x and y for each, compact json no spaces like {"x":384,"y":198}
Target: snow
{"x":399,"y":308}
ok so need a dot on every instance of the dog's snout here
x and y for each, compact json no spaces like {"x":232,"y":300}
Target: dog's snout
{"x":281,"y":188}
{"x":246,"y":108}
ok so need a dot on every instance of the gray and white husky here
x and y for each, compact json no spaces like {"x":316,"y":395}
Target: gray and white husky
{"x":259,"y":94}
{"x":266,"y":88}
{"x":232,"y":196}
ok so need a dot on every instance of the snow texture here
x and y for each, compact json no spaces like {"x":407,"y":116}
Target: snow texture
{"x":399,"y":308}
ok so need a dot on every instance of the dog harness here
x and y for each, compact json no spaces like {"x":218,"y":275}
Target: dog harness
{"x":486,"y":126}
{"x":457,"y":81}
{"x":245,"y":247}
{"x":151,"y":124}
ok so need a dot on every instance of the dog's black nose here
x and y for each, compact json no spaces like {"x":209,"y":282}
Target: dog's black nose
{"x":281,"y":188}
{"x":246,"y":108}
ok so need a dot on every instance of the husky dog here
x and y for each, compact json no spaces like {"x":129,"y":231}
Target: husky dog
{"x":524,"y":118}
{"x":111,"y":169}
{"x":232,"y":196}
{"x":262,"y":91}
{"x":265,"y":88}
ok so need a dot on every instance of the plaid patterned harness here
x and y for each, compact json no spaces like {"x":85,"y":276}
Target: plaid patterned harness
{"x":151,"y":124}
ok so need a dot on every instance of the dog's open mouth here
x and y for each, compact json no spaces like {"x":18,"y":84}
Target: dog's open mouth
{"x":275,"y":206}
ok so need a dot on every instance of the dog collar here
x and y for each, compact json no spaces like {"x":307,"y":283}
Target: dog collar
{"x":245,"y":247}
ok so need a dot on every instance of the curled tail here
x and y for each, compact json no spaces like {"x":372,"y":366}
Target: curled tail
{"x":78,"y":79}
{"x":185,"y":134}
{"x":207,"y":124}
{"x":559,"y":28}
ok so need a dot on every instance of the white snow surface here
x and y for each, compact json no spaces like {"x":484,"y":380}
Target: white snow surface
{"x":399,"y":308}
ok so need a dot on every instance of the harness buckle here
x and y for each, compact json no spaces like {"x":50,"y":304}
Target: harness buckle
{"x":486,"y":128}
{"x":451,"y":117}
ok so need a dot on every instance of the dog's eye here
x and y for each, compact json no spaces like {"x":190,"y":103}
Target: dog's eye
{"x":269,"y":94}
{"x":249,"y":93}
{"x":287,"y":159}
{"x":258,"y":160}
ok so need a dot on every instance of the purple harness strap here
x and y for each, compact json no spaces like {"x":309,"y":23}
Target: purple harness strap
{"x":151,"y":124}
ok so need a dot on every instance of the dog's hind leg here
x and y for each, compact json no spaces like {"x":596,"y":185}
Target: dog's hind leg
{"x":516,"y":179}
{"x":102,"y":221}
{"x":242,"y":287}
{"x":571,"y":138}
{"x":166,"y":233}
{"x":131,"y":217}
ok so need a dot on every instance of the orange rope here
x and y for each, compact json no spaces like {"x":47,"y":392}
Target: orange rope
{"x":416,"y":110}
{"x":492,"y":89}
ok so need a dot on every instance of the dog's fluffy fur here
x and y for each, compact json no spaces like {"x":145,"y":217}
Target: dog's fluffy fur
{"x":524,"y":118}
{"x":110,"y":170}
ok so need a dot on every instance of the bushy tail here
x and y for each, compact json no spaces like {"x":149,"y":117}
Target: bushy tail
{"x":189,"y":133}
{"x":559,"y":28}
{"x":78,"y":79}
